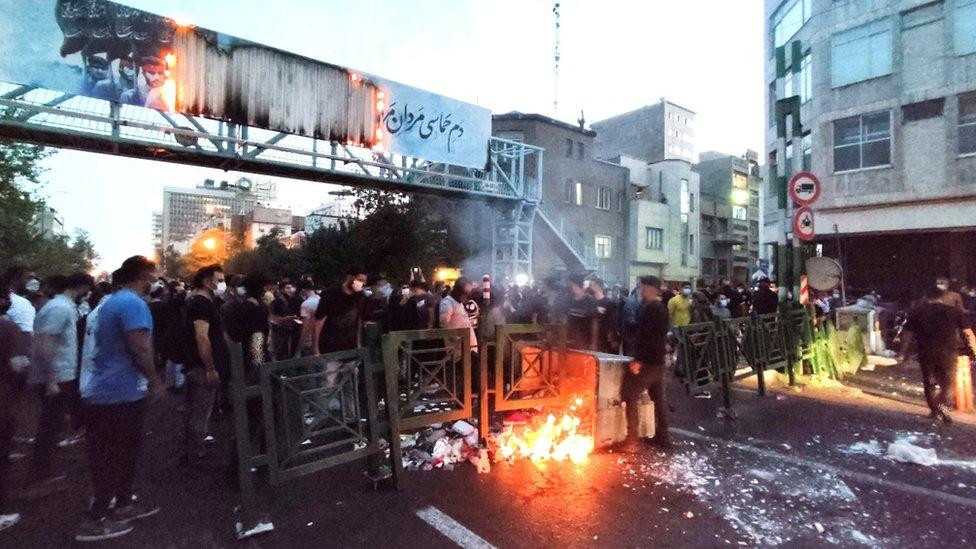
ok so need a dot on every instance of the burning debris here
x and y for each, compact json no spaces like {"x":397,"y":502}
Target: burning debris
{"x":543,"y":438}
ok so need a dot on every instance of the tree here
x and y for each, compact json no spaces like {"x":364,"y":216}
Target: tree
{"x":173,"y":264}
{"x":20,"y":241}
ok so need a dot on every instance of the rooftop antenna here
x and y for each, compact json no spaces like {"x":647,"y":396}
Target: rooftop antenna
{"x":555,"y":68}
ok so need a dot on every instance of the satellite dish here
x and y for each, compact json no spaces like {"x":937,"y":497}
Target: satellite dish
{"x":244,"y":183}
{"x":823,"y":273}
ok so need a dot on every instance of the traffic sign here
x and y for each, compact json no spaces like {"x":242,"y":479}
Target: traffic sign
{"x":804,"y":188}
{"x":803,"y":224}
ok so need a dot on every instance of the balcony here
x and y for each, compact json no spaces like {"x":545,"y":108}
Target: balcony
{"x":728,"y":239}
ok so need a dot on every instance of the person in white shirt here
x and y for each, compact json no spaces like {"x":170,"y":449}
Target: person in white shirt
{"x":19,"y":281}
{"x":310,"y":302}
{"x":452,"y":312}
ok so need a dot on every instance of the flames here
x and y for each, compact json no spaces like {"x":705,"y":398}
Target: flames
{"x":543,"y":438}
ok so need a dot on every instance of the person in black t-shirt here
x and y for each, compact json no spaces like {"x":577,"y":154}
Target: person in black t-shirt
{"x":608,"y":340}
{"x":254,"y":325}
{"x":646,"y":373}
{"x":938,"y":330}
{"x":207,"y":358}
{"x":582,"y":319}
{"x":339,"y":315}
{"x":765,"y":301}
{"x":285,"y":327}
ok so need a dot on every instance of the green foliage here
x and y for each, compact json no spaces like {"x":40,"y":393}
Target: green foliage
{"x":20,"y":242}
{"x":394,"y":236}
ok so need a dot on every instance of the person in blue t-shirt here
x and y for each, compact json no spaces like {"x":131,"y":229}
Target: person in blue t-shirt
{"x":122,"y":381}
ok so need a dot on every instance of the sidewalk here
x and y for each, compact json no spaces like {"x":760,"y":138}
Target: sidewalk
{"x":901,"y":382}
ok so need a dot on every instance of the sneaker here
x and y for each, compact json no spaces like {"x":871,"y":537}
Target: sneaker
{"x":944,"y":414}
{"x":101,"y":529}
{"x":6,"y":521}
{"x":133,"y":511}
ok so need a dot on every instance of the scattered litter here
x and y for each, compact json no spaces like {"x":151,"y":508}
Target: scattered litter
{"x":689,"y":514}
{"x":872,"y":448}
{"x":819,"y":527}
{"x":309,"y":524}
{"x":877,"y":360}
{"x":867,"y":368}
{"x":906,"y":452}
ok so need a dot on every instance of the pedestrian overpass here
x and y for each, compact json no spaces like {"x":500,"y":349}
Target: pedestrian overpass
{"x":217,"y":107}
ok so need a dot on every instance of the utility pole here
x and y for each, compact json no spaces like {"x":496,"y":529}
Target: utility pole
{"x":555,"y":67}
{"x":789,"y":257}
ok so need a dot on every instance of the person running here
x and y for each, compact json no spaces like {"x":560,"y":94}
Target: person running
{"x":208,"y":358}
{"x":53,"y":371}
{"x":123,"y":379}
{"x":646,"y":373}
{"x":937,"y":329}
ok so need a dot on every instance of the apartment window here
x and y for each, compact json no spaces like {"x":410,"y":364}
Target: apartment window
{"x":788,"y":19}
{"x":754,"y":229}
{"x":739,"y":212}
{"x":578,"y":191}
{"x":620,"y":201}
{"x":861,"y":53}
{"x":655,"y":238}
{"x":801,"y":82}
{"x":569,"y":148}
{"x":862,"y":141}
{"x":691,"y":244}
{"x":685,"y":197}
{"x":754,"y":199}
{"x":691,"y":202}
{"x":723,"y":267}
{"x":603,"y":198}
{"x":569,"y":191}
{"x":684,"y":259}
{"x":965,"y":34}
{"x":967,"y":123}
{"x":771,"y":115}
{"x":708,"y":266}
{"x":580,"y":150}
{"x":603,"y":246}
{"x":806,"y":145}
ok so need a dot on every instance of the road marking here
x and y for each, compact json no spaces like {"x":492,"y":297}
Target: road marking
{"x":452,"y":529}
{"x":839,"y":471}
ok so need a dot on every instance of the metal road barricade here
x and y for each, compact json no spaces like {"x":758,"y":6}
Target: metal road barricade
{"x":428,"y":379}
{"x":773,"y":353}
{"x":297,"y":417}
{"x":523,"y":367}
{"x":700,"y":363}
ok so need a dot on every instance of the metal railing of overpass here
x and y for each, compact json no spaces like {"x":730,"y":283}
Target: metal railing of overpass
{"x":512,"y":173}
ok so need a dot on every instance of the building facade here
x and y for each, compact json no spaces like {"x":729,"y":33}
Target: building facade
{"x":48,"y":223}
{"x":581,"y":222}
{"x":886,"y":96}
{"x":330,"y":214}
{"x":729,"y":215}
{"x":663,"y":228}
{"x":187,"y":212}
{"x":662,"y":131}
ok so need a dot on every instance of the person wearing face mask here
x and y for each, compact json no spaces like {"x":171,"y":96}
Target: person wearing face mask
{"x":452,"y":312}
{"x":338,"y":317}
{"x":947,"y":296}
{"x":376,"y":305}
{"x":285,"y":328}
{"x":679,"y":307}
{"x":122,"y":379}
{"x":19,"y":281}
{"x":207,"y":359}
{"x":53,"y":370}
{"x":720,"y":307}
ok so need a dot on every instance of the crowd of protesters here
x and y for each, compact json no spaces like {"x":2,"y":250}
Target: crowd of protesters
{"x":97,"y":354}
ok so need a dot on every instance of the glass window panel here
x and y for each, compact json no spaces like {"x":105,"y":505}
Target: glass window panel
{"x":877,"y":126}
{"x":847,"y":158}
{"x":967,"y":108}
{"x":965,"y":32}
{"x":967,"y":139}
{"x":877,"y":153}
{"x":847,"y":131}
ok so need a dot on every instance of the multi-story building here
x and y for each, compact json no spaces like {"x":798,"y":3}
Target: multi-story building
{"x":663,"y":223}
{"x":261,"y":221}
{"x":186,"y":212}
{"x":330,"y":214}
{"x":157,"y":233}
{"x":581,"y":222}
{"x":47,"y":223}
{"x":886,"y":96}
{"x":729,"y":215}
{"x":662,"y":131}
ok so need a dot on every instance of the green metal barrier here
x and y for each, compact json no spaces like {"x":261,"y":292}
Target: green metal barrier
{"x":297,"y":417}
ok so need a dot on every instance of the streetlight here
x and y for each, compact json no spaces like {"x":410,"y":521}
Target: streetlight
{"x":210,"y":244}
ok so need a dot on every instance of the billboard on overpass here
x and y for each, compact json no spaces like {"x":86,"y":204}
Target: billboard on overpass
{"x":114,"y":52}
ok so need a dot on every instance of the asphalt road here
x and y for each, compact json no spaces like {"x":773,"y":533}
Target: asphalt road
{"x":797,"y":471}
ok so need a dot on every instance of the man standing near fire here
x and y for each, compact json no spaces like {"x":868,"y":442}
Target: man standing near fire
{"x":646,"y":373}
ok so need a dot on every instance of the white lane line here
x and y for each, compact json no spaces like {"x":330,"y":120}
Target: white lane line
{"x":452,"y":529}
{"x":839,"y":471}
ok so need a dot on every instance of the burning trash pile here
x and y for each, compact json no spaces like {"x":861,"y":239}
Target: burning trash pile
{"x":537,"y":435}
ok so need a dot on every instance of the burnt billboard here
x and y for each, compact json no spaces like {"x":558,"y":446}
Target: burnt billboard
{"x":110,"y":51}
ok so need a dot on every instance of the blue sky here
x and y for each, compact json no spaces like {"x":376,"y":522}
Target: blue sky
{"x":617,"y":55}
